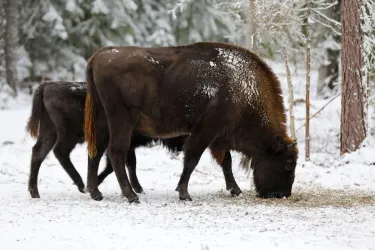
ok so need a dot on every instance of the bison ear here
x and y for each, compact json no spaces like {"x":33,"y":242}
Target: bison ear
{"x":278,"y":144}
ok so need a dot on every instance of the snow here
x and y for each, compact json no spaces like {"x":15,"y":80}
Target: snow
{"x":64,"y":218}
{"x":241,"y":71}
{"x":52,"y":16}
{"x":71,"y":5}
{"x":209,"y":90}
{"x":99,"y":7}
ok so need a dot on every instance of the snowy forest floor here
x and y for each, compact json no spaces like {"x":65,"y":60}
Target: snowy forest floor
{"x":332,"y":206}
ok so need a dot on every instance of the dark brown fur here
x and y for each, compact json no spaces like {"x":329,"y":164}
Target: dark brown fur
{"x":57,"y":122}
{"x":223,"y":95}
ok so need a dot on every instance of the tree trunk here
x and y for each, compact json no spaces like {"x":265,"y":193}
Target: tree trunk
{"x":11,"y":42}
{"x":354,"y":82}
{"x":251,"y":26}
{"x":2,"y":56}
{"x":308,"y":59}
{"x":291,"y":96}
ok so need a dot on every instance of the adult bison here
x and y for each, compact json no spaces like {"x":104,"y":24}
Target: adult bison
{"x":57,"y":121}
{"x":223,"y":95}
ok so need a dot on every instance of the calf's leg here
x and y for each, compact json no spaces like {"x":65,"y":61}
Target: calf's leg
{"x":107,"y":171}
{"x":131,"y":163}
{"x":40,"y":150}
{"x":62,"y":150}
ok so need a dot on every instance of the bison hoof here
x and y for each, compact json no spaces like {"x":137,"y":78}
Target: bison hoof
{"x":134,"y":199}
{"x":34,"y":193}
{"x":235,"y":191}
{"x":186,"y":198}
{"x":183,"y":194}
{"x":138,"y":190}
{"x":81,"y":187}
{"x":96,"y":195}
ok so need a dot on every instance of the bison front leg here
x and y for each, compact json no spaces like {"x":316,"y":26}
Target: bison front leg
{"x":230,"y":182}
{"x":224,"y":159}
{"x":194,"y":148}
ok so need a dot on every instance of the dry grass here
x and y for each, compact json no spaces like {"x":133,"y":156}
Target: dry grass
{"x":314,"y":199}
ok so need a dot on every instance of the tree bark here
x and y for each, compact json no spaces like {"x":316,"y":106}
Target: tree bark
{"x":291,"y":96}
{"x":354,"y":84}
{"x":11,"y":42}
{"x":308,"y":62}
{"x":2,"y":56}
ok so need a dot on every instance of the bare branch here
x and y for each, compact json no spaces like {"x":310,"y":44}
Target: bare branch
{"x":327,"y":18}
{"x":320,"y":110}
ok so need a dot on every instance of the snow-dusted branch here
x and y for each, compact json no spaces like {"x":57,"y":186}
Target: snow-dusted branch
{"x":320,"y":110}
{"x":327,"y":25}
{"x":327,"y":18}
{"x":180,"y":5}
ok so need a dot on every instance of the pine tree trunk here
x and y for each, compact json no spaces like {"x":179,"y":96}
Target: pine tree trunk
{"x":354,"y":91}
{"x":308,"y":59}
{"x":11,"y":42}
{"x":2,"y":56}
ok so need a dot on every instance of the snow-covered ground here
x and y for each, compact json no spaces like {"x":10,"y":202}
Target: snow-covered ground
{"x":332,"y":207}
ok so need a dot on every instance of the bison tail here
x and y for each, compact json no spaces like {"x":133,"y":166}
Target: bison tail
{"x":90,"y":112}
{"x":36,"y":111}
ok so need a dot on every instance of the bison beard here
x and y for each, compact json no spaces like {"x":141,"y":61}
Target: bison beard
{"x":223,"y":95}
{"x":57,"y":122}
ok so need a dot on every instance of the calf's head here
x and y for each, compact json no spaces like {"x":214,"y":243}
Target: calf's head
{"x":274,"y":169}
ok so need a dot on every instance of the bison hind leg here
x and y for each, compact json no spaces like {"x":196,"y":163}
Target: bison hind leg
{"x":62,"y":150}
{"x":40,"y":150}
{"x":121,"y":123}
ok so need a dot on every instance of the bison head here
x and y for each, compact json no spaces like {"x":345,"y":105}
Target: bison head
{"x":274,"y":169}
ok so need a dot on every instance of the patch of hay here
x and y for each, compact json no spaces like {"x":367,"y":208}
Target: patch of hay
{"x":314,"y":199}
